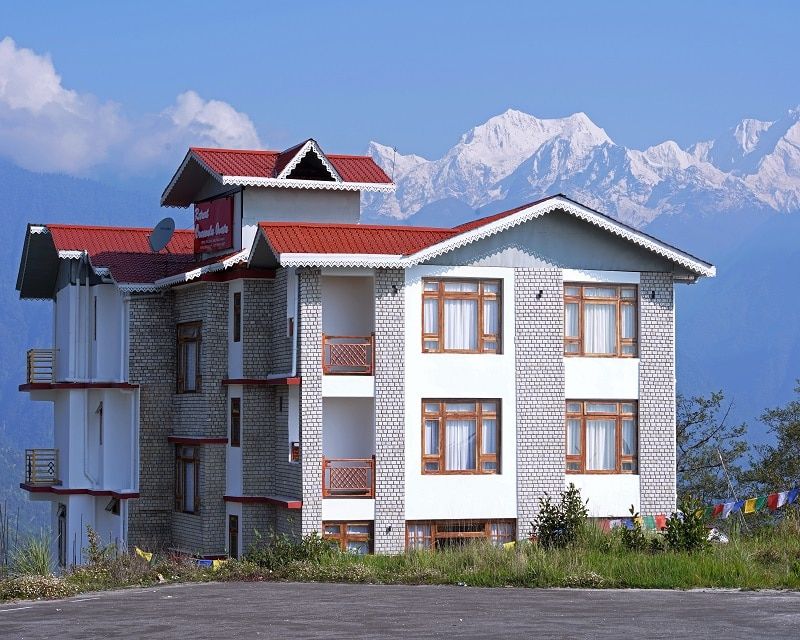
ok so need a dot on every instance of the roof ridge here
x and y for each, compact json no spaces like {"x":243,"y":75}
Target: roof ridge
{"x":278,"y":152}
{"x":59,"y":225}
{"x":350,"y":225}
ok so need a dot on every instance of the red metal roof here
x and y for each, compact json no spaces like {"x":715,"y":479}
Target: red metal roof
{"x":307,"y":237}
{"x":268,"y":164}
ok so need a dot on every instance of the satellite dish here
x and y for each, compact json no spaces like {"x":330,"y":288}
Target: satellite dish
{"x":162,"y":234}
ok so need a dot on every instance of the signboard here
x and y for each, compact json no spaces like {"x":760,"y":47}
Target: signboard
{"x":213,"y":225}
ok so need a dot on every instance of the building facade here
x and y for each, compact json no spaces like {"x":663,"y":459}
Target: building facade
{"x":283,"y":368}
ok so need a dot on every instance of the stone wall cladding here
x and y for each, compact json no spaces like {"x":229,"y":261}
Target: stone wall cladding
{"x":257,"y":524}
{"x":256,"y":441}
{"x":389,"y":411}
{"x":310,"y":327}
{"x":657,"y":394}
{"x":151,"y":365}
{"x":539,"y":351}
{"x":257,"y":301}
{"x":280,"y":342}
{"x":287,"y":476}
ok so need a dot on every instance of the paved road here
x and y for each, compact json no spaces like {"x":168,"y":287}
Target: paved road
{"x":270,"y":610}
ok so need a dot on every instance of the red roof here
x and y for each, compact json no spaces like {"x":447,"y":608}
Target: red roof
{"x":309,"y":237}
{"x":268,"y":164}
{"x":126,"y":251}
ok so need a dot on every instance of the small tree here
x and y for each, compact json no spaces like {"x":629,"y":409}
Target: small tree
{"x":558,"y":524}
{"x":777,"y":466}
{"x":686,"y":530}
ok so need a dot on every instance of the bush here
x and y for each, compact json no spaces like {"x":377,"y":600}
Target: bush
{"x":558,"y":525}
{"x":35,"y":587}
{"x":634,"y":539}
{"x":32,"y":557}
{"x":686,"y":529}
{"x":278,"y":550}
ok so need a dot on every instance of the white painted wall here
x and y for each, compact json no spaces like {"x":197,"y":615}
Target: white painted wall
{"x":233,"y":455}
{"x":235,"y":362}
{"x":434,"y":375}
{"x":348,"y":427}
{"x":106,"y":348}
{"x":610,"y":495}
{"x":348,"y":509}
{"x":601,"y":378}
{"x":348,"y":305}
{"x":348,"y":386}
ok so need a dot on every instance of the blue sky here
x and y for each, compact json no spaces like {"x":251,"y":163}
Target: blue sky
{"x":415,"y":74}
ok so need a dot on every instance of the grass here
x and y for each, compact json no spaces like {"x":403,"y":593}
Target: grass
{"x":766,"y":559}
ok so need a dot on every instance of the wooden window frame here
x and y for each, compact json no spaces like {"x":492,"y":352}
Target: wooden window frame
{"x":182,"y":341}
{"x":478,"y":415}
{"x":237,"y":316}
{"x":440,"y":295}
{"x":342,"y":538}
{"x":233,"y":536}
{"x":618,"y":417}
{"x":581,"y":300}
{"x":236,"y":421}
{"x":484,"y":533}
{"x":181,"y":460}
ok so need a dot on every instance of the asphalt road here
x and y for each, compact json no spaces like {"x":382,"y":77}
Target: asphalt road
{"x":281,"y":610}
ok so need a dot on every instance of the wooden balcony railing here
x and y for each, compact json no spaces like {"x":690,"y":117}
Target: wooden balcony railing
{"x":41,"y":466}
{"x":348,"y":355}
{"x":41,"y":365}
{"x":348,"y":477}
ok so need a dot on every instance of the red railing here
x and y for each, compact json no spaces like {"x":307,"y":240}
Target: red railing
{"x":348,"y":355}
{"x":348,"y":477}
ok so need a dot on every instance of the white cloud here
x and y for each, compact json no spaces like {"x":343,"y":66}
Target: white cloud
{"x":47,"y":127}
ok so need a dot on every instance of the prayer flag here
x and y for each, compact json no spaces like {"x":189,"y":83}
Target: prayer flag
{"x":649,"y":523}
{"x":627,"y":523}
{"x":717,"y":510}
{"x":772,"y":501}
{"x":761,"y":502}
{"x":782,"y":498}
{"x":792,"y":496}
{"x":750,"y":505}
{"x":216,"y":564}
{"x":726,"y":509}
{"x":708,"y":512}
{"x":737,"y":506}
{"x":147,"y":555}
{"x":613,"y":524}
{"x":661,"y":521}
{"x":638,"y":520}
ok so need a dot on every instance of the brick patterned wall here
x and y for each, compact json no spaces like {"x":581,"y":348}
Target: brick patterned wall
{"x":389,"y":411}
{"x":256,"y":345}
{"x":280,"y":343}
{"x":657,"y":394}
{"x":151,"y":365}
{"x":287,"y":476}
{"x":310,"y":327}
{"x":539,"y":349}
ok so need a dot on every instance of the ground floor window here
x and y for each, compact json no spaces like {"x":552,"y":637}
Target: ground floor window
{"x":187,"y":479}
{"x":233,"y":536}
{"x":441,"y":534}
{"x":352,"y":537}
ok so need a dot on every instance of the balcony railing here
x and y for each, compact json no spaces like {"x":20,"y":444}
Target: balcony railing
{"x":348,"y":477}
{"x":41,"y":365}
{"x":41,"y":466}
{"x":348,"y":355}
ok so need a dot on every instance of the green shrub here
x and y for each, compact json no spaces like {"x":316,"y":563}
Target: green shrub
{"x":277,"y":550}
{"x":686,"y":529}
{"x":557,"y":525}
{"x":96,"y":552}
{"x":32,"y":557}
{"x":633,"y":538}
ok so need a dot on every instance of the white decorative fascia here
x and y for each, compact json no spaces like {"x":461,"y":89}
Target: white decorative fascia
{"x":310,"y":145}
{"x":71,"y":255}
{"x":37,"y":229}
{"x":188,"y":276}
{"x":372,"y":260}
{"x":253,"y":181}
{"x":141,"y":287}
{"x":191,"y":155}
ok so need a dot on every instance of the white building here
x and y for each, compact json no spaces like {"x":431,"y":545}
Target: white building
{"x":283,"y":367}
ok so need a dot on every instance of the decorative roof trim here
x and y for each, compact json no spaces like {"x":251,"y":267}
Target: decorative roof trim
{"x":138,"y":287}
{"x":38,"y":229}
{"x":310,"y":145}
{"x":340,"y":260}
{"x":188,"y":276}
{"x":190,"y":155}
{"x":288,"y":183}
{"x":71,"y":255}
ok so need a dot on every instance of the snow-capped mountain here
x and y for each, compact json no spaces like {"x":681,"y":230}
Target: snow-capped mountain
{"x":515,"y":157}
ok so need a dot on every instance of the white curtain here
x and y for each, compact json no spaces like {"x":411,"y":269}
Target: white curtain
{"x":490,"y":317}
{"x":573,"y":437}
{"x":600,"y":445}
{"x":431,"y":437}
{"x":600,"y":328}
{"x":190,"y":383}
{"x":460,"y":445}
{"x":431,"y":316}
{"x":628,"y":328}
{"x":489,"y":436}
{"x":629,"y":437}
{"x":571,"y":323}
{"x":461,"y":324}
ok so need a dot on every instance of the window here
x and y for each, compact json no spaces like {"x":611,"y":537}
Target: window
{"x":189,"y":357}
{"x":294,"y":451}
{"x":187,"y":479}
{"x":461,"y":316}
{"x":233,"y":536}
{"x":236,"y":422}
{"x":237,"y":316}
{"x":460,"y":436}
{"x":602,"y":437}
{"x":441,"y":534}
{"x":351,"y":537}
{"x":600,"y":320}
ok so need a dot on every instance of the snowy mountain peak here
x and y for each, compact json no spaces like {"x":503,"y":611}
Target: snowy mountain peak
{"x":748,"y":132}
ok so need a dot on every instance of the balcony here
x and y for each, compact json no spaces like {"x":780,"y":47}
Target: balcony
{"x":41,"y":366}
{"x":348,"y":477}
{"x":41,"y":467}
{"x":348,"y":355}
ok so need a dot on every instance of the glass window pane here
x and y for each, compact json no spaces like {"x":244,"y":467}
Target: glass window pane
{"x":460,"y":407}
{"x":601,"y":445}
{"x":431,"y":407}
{"x":629,"y":349}
{"x":460,"y":446}
{"x":489,"y":346}
{"x":489,"y":466}
{"x":629,"y":438}
{"x":431,"y":438}
{"x":460,"y":287}
{"x":190,"y":374}
{"x":489,"y":436}
{"x":431,"y":345}
{"x":601,"y":407}
{"x":489,"y":407}
{"x":461,"y":325}
{"x":431,"y":285}
{"x":360,"y":548}
{"x":572,"y":347}
{"x":627,"y":293}
{"x":629,"y":466}
{"x":573,"y":437}
{"x":600,"y":328}
{"x":628,"y":407}
{"x":188,"y":487}
{"x":600,"y":292}
{"x":358,"y":529}
{"x":431,"y":466}
{"x":574,"y":407}
{"x":491,"y":321}
{"x":573,"y":466}
{"x":572,"y":291}
{"x":628,"y":324}
{"x":331,"y":529}
{"x":571,"y":320}
{"x":491,"y":287}
{"x":430,"y":322}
